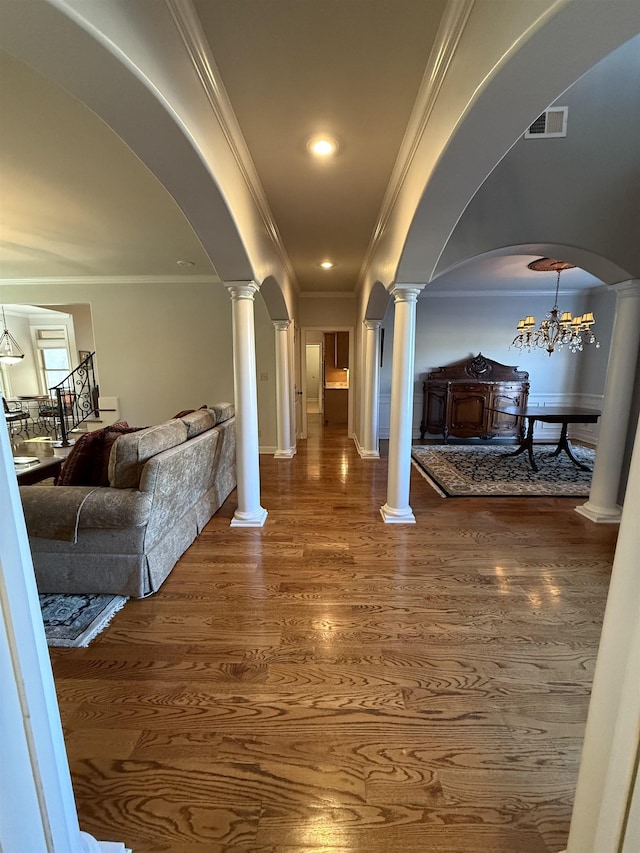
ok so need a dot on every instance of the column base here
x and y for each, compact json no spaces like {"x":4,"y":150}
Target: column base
{"x":368,"y":454}
{"x":397,"y":516}
{"x":249,"y":519}
{"x":284,"y":454}
{"x":599,"y":514}
{"x":365,"y":454}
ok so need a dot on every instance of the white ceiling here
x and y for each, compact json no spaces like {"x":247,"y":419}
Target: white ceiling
{"x":75,"y":201}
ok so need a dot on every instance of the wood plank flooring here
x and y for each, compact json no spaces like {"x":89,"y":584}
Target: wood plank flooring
{"x":330,"y":683}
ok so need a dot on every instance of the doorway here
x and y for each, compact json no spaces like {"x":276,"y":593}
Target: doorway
{"x":327,"y":353}
{"x":314,"y":379}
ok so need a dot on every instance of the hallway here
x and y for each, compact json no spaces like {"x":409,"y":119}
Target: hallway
{"x":330,"y":683}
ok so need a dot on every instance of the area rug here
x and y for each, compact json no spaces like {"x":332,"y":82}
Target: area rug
{"x":74,"y":620}
{"x":470,"y":470}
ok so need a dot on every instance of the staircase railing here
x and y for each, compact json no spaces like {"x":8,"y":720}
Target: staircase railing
{"x":76,"y":398}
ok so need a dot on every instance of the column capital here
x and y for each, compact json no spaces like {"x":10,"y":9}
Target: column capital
{"x":406,"y":292}
{"x":372,"y":325}
{"x":281,"y":325}
{"x":628,"y":288}
{"x":242,"y":289}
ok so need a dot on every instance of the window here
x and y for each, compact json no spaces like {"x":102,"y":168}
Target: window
{"x":53,"y":354}
{"x":55,"y":365}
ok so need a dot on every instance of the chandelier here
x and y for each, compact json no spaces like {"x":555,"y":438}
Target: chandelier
{"x":10,"y":352}
{"x":559,"y":328}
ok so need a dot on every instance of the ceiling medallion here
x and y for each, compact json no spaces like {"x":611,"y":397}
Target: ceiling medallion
{"x":558,"y":329}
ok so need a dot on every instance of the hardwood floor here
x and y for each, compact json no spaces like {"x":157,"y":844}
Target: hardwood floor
{"x":330,"y":683}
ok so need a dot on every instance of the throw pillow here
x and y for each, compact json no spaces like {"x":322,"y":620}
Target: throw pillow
{"x":84,"y":465}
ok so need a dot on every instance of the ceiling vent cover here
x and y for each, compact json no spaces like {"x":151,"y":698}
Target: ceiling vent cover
{"x":552,"y":123}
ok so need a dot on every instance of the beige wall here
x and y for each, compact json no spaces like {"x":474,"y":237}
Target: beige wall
{"x":159,"y":347}
{"x":327,"y":312}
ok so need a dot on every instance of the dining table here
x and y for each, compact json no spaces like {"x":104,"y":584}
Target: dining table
{"x":553,"y":414}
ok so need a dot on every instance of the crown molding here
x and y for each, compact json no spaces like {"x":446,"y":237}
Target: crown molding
{"x":190,"y":30}
{"x":444,"y":47}
{"x":114,"y":279}
{"x":497,"y":294}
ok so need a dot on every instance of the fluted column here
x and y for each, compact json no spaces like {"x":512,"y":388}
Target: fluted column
{"x":283,"y":390}
{"x":397,"y":509}
{"x":249,"y":512}
{"x":602,"y":505}
{"x":371,"y":389}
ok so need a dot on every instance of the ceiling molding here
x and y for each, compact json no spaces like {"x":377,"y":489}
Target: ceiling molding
{"x":190,"y":30}
{"x":444,"y":47}
{"x":456,"y":294}
{"x":114,"y":279}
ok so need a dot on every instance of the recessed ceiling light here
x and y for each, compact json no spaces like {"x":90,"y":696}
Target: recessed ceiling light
{"x":186,"y":263}
{"x":326,"y":265}
{"x":322,"y":146}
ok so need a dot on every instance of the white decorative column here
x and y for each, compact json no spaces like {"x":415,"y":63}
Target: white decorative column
{"x":371,"y":389}
{"x":397,"y":509}
{"x":602,"y":505}
{"x":37,"y":807}
{"x":249,"y":512}
{"x":607,"y":780}
{"x":283,"y":390}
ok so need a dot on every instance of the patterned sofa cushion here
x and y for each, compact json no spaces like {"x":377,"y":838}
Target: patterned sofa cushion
{"x":197,"y":422}
{"x":130,"y":452}
{"x":221,"y":412}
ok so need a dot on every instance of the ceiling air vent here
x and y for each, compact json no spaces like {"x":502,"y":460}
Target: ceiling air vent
{"x":552,"y":123}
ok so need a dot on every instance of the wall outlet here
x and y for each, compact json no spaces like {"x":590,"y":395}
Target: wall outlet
{"x":264,"y":377}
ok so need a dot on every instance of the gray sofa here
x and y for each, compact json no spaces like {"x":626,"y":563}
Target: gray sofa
{"x":165,"y":483}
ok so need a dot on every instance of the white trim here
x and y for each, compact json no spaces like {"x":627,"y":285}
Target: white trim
{"x":450,"y":32}
{"x":41,"y":777}
{"x":190,"y":30}
{"x":364,"y":454}
{"x":525,"y":292}
{"x":114,"y":279}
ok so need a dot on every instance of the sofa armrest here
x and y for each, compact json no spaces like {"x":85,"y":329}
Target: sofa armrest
{"x":57,"y":512}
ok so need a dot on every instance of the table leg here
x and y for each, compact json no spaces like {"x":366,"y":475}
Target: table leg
{"x":563,"y":444}
{"x":527,"y":445}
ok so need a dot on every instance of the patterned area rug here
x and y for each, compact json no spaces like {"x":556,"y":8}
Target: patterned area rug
{"x":466,"y":470}
{"x":74,"y":620}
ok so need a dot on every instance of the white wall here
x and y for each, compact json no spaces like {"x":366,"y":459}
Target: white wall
{"x":450,"y":328}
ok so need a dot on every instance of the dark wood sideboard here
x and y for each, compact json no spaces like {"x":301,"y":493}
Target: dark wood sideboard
{"x":460,"y":399}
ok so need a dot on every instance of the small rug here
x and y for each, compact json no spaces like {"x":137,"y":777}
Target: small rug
{"x":468,"y":470}
{"x":74,"y":620}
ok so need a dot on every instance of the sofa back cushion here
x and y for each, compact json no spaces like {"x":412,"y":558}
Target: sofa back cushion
{"x":130,"y":452}
{"x":221,"y":412}
{"x":197,"y":422}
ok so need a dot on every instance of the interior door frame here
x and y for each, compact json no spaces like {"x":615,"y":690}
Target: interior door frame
{"x":311,"y":330}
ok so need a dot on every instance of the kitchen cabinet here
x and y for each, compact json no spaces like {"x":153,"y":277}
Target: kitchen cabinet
{"x":336,"y":350}
{"x":336,"y":405}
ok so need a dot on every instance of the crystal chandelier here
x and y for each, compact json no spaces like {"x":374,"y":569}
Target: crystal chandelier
{"x":559,"y":328}
{"x":10,"y":351}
